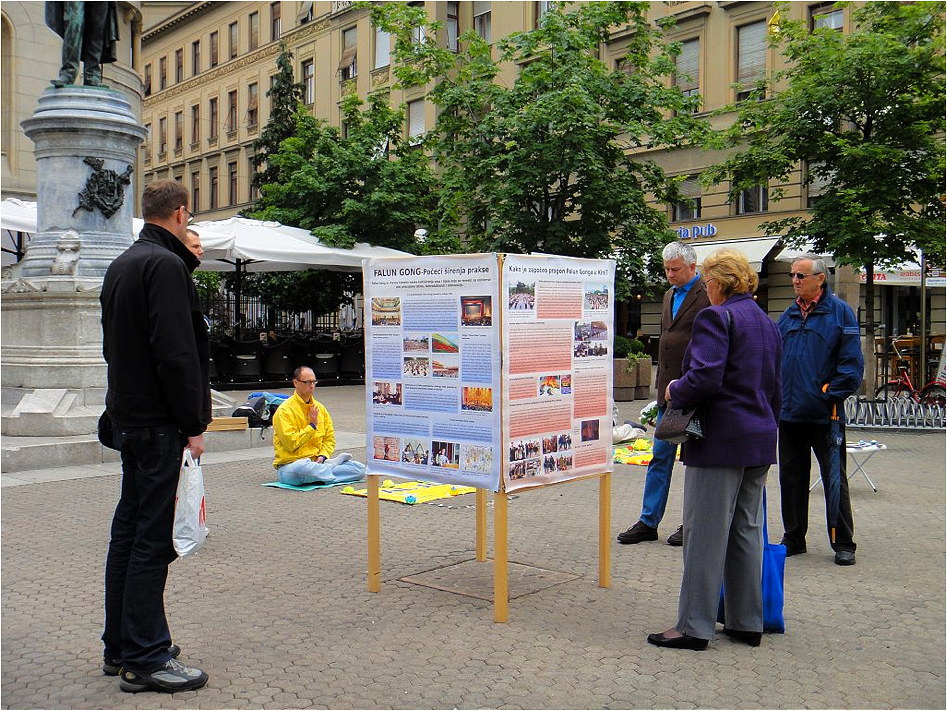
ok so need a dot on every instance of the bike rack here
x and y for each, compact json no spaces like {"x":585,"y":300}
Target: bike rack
{"x":896,"y":413}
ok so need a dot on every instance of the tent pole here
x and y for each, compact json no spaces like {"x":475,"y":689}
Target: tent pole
{"x":236,"y":292}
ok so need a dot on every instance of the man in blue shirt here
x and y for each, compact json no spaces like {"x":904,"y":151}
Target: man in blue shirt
{"x":686,"y":297}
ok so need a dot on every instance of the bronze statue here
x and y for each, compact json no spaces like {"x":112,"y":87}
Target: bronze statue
{"x":89,"y":32}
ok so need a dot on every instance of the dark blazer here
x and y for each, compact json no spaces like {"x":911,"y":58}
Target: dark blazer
{"x":733,"y":371}
{"x":676,"y":334}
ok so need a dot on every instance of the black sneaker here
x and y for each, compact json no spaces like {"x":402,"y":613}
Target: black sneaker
{"x":113,"y":667}
{"x":171,"y":677}
{"x":638,"y":533}
{"x":677,"y":538}
{"x":792,"y":548}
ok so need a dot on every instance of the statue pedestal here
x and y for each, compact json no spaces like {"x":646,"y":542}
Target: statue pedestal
{"x":53,"y":374}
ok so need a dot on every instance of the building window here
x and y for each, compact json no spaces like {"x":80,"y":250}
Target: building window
{"x":196,"y":191}
{"x":232,"y":112}
{"x":251,"y":171}
{"x":195,"y":124}
{"x":309,"y":82}
{"x":689,"y":209}
{"x":195,"y":58}
{"x":147,"y":145}
{"x":253,"y":112}
{"x":481,"y":19}
{"x":147,"y":86}
{"x":417,"y":32}
{"x":162,"y":74}
{"x":213,"y":117}
{"x":232,"y":193}
{"x":415,"y":120}
{"x":275,"y":21}
{"x":539,"y":9}
{"x":453,"y":26}
{"x":305,"y":13}
{"x":254,"y":31}
{"x":162,"y":137}
{"x":751,"y":57}
{"x":178,"y":66}
{"x":826,"y":15}
{"x":687,"y":72}
{"x":234,"y":39}
{"x":178,"y":130}
{"x":752,"y":200}
{"x":382,"y":48}
{"x":818,"y":182}
{"x":212,"y":174}
{"x":214,"y":49}
{"x":348,"y":64}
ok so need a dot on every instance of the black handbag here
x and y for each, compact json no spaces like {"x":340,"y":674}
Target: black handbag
{"x":677,"y":426}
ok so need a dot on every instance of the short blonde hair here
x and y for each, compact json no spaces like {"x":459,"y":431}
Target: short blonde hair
{"x":732,"y":272}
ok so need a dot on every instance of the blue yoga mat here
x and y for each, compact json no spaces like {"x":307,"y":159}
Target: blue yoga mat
{"x":308,"y":487}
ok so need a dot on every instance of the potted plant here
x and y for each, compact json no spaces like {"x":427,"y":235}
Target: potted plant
{"x":631,"y":370}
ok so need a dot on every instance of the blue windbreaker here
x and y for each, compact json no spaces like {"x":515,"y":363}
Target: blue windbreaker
{"x":824,"y":348}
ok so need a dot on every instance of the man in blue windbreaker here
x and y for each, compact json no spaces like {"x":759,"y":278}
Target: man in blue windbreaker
{"x":821,"y":347}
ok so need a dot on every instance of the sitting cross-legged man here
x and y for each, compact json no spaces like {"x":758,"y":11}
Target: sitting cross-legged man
{"x":304,"y":439}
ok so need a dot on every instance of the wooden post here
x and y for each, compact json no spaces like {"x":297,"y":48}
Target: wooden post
{"x":501,"y":596}
{"x":604,"y":533}
{"x":374,"y":536}
{"x":481,"y":525}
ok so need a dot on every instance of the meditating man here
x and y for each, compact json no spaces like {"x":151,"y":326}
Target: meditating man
{"x":304,"y":439}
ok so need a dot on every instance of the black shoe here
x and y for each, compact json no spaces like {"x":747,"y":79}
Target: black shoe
{"x":683,"y":642}
{"x":792,"y":548}
{"x":677,"y":538}
{"x":751,"y":638}
{"x":845,"y":557}
{"x":113,"y":667}
{"x":172,"y":676}
{"x":638,"y":533}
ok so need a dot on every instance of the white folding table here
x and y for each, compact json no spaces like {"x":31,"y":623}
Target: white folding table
{"x":859,"y":453}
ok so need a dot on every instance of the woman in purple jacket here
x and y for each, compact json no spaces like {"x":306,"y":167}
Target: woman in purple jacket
{"x":731,"y":370}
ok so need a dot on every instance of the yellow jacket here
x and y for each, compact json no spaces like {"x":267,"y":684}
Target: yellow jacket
{"x":294,"y":439}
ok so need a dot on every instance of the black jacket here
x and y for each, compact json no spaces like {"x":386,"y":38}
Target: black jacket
{"x":154,"y":336}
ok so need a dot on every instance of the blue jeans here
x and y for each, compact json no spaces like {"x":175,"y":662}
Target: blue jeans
{"x":657,"y":481}
{"x":141,"y":547}
{"x":306,"y":471}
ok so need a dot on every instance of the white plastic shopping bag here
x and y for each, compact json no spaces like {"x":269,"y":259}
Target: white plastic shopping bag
{"x":190,"y":529}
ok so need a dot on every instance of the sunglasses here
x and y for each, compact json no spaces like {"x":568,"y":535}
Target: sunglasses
{"x":799,"y":275}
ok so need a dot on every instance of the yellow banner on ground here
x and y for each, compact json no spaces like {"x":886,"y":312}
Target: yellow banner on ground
{"x":412,"y":492}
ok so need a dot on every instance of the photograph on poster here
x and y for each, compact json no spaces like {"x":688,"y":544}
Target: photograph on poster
{"x":386,"y":393}
{"x":477,"y":399}
{"x":476,"y":310}
{"x":549,"y":385}
{"x":591,"y":331}
{"x":477,"y":458}
{"x":565,"y":441}
{"x":562,"y":463}
{"x":596,"y":297}
{"x":522,"y":470}
{"x":415,"y":452}
{"x":447,"y":454}
{"x":417,"y":343}
{"x":445,"y":367}
{"x":594,"y":349}
{"x":445,"y":343}
{"x":524,"y":449}
{"x":589,"y":430}
{"x":416,"y":367}
{"x":566,"y":384}
{"x":550,"y":444}
{"x":522,"y":296}
{"x":386,"y":311}
{"x":386,"y":448}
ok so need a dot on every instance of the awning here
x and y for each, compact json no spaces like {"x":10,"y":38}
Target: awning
{"x":755,"y":249}
{"x":791,"y":254}
{"x":905,"y":274}
{"x":348,"y":57}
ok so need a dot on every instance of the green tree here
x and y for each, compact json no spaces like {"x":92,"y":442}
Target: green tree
{"x":864,"y":114}
{"x":548,"y":163}
{"x":285,"y":96}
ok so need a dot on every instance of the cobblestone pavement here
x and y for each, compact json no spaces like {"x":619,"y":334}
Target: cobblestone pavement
{"x":275,"y":606}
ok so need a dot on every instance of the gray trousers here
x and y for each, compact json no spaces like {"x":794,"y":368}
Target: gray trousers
{"x":723,"y":543}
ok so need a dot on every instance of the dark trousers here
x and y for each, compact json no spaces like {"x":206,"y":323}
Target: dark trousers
{"x":83,"y":36}
{"x":141,"y":547}
{"x":796,"y":442}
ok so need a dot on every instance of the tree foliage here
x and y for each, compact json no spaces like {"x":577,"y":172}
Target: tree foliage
{"x":285,"y":96}
{"x":543,"y":164}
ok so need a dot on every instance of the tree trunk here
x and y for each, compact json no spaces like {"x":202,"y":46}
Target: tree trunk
{"x":868,"y":349}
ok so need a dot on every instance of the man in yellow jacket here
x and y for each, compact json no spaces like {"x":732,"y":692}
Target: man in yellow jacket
{"x":304,"y":439}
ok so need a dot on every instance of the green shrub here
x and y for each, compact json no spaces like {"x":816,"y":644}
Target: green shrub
{"x":628,"y":347}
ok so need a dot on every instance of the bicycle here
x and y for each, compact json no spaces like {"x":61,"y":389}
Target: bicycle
{"x":901,"y":388}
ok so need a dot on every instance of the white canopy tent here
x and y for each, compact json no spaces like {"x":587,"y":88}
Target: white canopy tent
{"x":756,"y":249}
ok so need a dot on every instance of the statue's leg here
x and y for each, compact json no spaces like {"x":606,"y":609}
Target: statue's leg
{"x":73,"y":16}
{"x":93,"y":42}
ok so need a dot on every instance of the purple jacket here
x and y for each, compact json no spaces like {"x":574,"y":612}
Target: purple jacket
{"x":736,"y":377}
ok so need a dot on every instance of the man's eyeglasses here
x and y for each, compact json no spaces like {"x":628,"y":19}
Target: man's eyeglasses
{"x":799,"y":275}
{"x":307,"y":382}
{"x":190,"y":215}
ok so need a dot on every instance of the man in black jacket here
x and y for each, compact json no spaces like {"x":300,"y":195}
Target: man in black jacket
{"x":156,"y":346}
